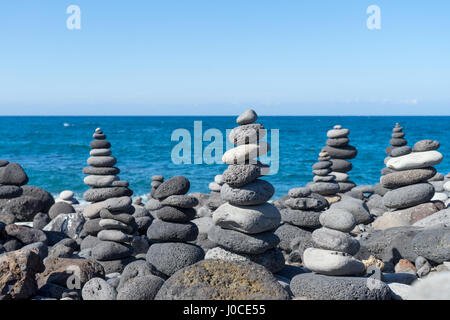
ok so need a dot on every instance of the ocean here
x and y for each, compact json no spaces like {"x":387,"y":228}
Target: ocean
{"x":53,"y":150}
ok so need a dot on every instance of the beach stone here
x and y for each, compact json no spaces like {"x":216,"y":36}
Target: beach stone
{"x":18,"y":270}
{"x":116,"y":265}
{"x":181,"y":201}
{"x":23,"y":208}
{"x":346,"y":186}
{"x":222,"y":280}
{"x":173,"y":214}
{"x":287,"y":233}
{"x":341,"y":165}
{"x":103,"y":161}
{"x":100,"y":152}
{"x":181,"y":255}
{"x":153,"y":204}
{"x":243,"y":153}
{"x":247,"y":117}
{"x":437,"y":185}
{"x":98,"y":289}
{"x":238,"y":242}
{"x":408,"y":196}
{"x":7,"y":192}
{"x":219,"y":179}
{"x":60,"y":251}
{"x":121,"y":217}
{"x":215,"y":187}
{"x":397,"y":142}
{"x":26,"y":235}
{"x":434,"y":287}
{"x":137,"y":269}
{"x":329,"y":239}
{"x":332,"y":263}
{"x":338,"y":133}
{"x":99,"y":181}
{"x":140,"y":288}
{"x":3,"y":163}
{"x":433,"y":244}
{"x":101,"y":171}
{"x":415,"y":160}
{"x":338,"y":219}
{"x":178,"y":185}
{"x":319,"y":287}
{"x":254,"y":193}
{"x":315,"y":202}
{"x":245,"y":134}
{"x":251,"y":220}
{"x":40,"y":220}
{"x":60,"y":207}
{"x":400,"y":151}
{"x":447,"y":186}
{"x":241,"y":174}
{"x":102,"y":194}
{"x":405,"y":266}
{"x":66,"y":195}
{"x":441,"y":218}
{"x":109,"y":224}
{"x":324,"y":188}
{"x":155,"y":184}
{"x":301,"y":218}
{"x":100,"y":144}
{"x":91,"y":227}
{"x":45,"y":198}
{"x":39,"y":247}
{"x":380,"y":190}
{"x":113,"y":235}
{"x":347,"y":152}
{"x":426,"y":145}
{"x":108,"y":250}
{"x":168,"y":231}
{"x":407,"y":177}
{"x":299,"y":192}
{"x":340,"y":176}
{"x":13,"y":174}
{"x":356,"y":207}
{"x":337,"y":142}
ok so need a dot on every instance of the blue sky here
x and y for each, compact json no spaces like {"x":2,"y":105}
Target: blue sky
{"x":220,"y":57}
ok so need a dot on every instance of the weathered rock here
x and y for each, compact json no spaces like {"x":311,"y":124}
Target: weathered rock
{"x":178,"y":185}
{"x":140,"y":288}
{"x":332,"y":263}
{"x":108,"y":250}
{"x":98,"y":289}
{"x":254,"y":193}
{"x":13,"y":174}
{"x":26,"y":235}
{"x":170,"y":231}
{"x":408,"y":196}
{"x":407,"y":177}
{"x":60,"y":207}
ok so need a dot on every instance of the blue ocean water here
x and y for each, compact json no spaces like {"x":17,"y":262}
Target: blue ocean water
{"x":53,"y":154}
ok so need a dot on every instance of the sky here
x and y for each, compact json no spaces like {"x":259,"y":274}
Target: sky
{"x":218,"y":57}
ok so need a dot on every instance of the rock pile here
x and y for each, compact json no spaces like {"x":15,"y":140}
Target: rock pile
{"x":324,"y":182}
{"x":172,"y":229}
{"x":214,"y":201}
{"x":244,"y":225}
{"x":341,"y":152}
{"x":111,"y":208}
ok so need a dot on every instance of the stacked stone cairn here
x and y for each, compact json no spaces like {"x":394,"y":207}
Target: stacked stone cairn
{"x":407,"y":183}
{"x":324,"y":182}
{"x":154,"y":204}
{"x":334,"y":248}
{"x":172,"y":229}
{"x":341,"y":152}
{"x":214,"y":201}
{"x":244,"y":225}
{"x":111,"y":208}
{"x":398,"y":147}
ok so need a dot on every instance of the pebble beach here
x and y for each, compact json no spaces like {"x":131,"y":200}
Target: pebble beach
{"x":338,"y":228}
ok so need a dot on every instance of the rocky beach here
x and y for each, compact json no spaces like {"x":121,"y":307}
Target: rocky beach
{"x":328,"y":239}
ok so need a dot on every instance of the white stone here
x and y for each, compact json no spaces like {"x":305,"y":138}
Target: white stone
{"x":415,"y":160}
{"x":439,"y":196}
{"x":66,"y":195}
{"x":436,"y":286}
{"x":218,"y":179}
{"x":447,"y":186}
{"x":340,"y":176}
{"x":240,"y":154}
{"x":332,"y":263}
{"x":214,"y":187}
{"x":100,"y":152}
{"x":99,"y":181}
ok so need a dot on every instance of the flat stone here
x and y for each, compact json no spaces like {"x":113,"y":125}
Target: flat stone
{"x":101,"y":161}
{"x":400,"y":151}
{"x":111,"y":224}
{"x":120,"y":204}
{"x":182,"y":201}
{"x":341,"y":165}
{"x":100,"y":144}
{"x":26,"y":235}
{"x":173,"y":214}
{"x":338,"y":142}
{"x":250,"y":220}
{"x":114,"y":235}
{"x":324,"y":188}
{"x":433,"y":244}
{"x":7,"y":192}
{"x":245,"y":134}
{"x":287,"y":233}
{"x":407,"y":177}
{"x":105,"y":171}
{"x":241,"y":174}
{"x":243,"y":153}
{"x":332,"y":263}
{"x":214,"y":187}
{"x":108,"y":250}
{"x":398,"y":142}
{"x":330,"y":239}
{"x":441,"y":218}
{"x":178,"y":185}
{"x":338,"y":133}
{"x":315,"y":202}
{"x":299,"y":192}
{"x":408,"y":196}
{"x":301,"y":218}
{"x":347,"y":152}
{"x":426,"y":145}
{"x":169,"y":231}
{"x":340,"y":176}
{"x":99,"y":181}
{"x":356,"y":207}
{"x":121,"y":217}
{"x":254,"y":193}
{"x":338,"y":219}
{"x":415,"y":160}
{"x":102,"y":194}
{"x":247,"y":117}
{"x":100,"y":152}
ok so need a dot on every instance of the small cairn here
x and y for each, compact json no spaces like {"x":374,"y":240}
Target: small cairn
{"x":110,"y":209}
{"x":152,"y":203}
{"x":214,"y":201}
{"x":398,"y":147}
{"x":67,"y":196}
{"x":244,"y":225}
{"x":324,"y":182}
{"x":172,"y":229}
{"x":334,"y":248}
{"x":341,"y":152}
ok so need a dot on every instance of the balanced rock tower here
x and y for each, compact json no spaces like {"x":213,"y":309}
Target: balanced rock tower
{"x":324,"y":181}
{"x":244,"y":225}
{"x":152,"y":203}
{"x":171,"y":231}
{"x":334,"y":248}
{"x":341,"y":152}
{"x":111,"y":207}
{"x":398,"y":147}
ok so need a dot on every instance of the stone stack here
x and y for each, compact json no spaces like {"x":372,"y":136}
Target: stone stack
{"x":324,"y":182}
{"x":334,"y":248}
{"x":214,"y":201}
{"x":341,"y":152}
{"x":407,"y":183}
{"x":172,"y":228}
{"x":152,"y":203}
{"x":111,"y":208}
{"x":244,"y":225}
{"x":398,"y":147}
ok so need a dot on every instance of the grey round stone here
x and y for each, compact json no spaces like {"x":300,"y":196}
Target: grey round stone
{"x":347,"y":152}
{"x":330,"y":239}
{"x":324,"y":188}
{"x":287,"y":233}
{"x":60,"y":207}
{"x":426,"y":145}
{"x":182,"y":201}
{"x":338,"y":142}
{"x":315,"y":202}
{"x":408,"y":196}
{"x":100,"y":144}
{"x":301,"y":218}
{"x":400,"y":151}
{"x":247,"y":117}
{"x":407,"y":177}
{"x":103,"y":161}
{"x":356,"y":207}
{"x":433,"y":244}
{"x":10,"y":191}
{"x":140,"y":288}
{"x":338,"y":219}
{"x":101,"y":194}
{"x":101,"y":171}
{"x":98,"y":289}
{"x":169,"y":231}
{"x":173,"y":214}
{"x":254,"y":193}
{"x":299,"y":192}
{"x":178,"y":185}
{"x":341,"y":165}
{"x":398,"y":142}
{"x":40,"y":220}
{"x":108,"y":250}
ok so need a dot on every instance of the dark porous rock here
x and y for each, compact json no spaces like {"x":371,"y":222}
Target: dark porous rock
{"x":346,"y":152}
{"x":239,"y":175}
{"x":181,"y":255}
{"x":143,"y":223}
{"x":239,"y":242}
{"x":12,"y":245}
{"x":138,"y":268}
{"x":168,"y":213}
{"x":222,"y":280}
{"x":341,"y":165}
{"x":40,"y":194}
{"x":53,"y":237}
{"x":426,"y":145}
{"x":13,"y":174}
{"x":178,"y":185}
{"x":7,"y":192}
{"x":98,"y":289}
{"x":140,"y":288}
{"x":108,"y":250}
{"x":301,"y":218}
{"x":40,"y":220}
{"x":60,"y":207}
{"x":117,"y":265}
{"x":408,"y":196}
{"x":433,"y":244}
{"x":313,"y":286}
{"x":18,"y":270}
{"x":101,"y":171}
{"x":315,"y":202}
{"x":91,"y":227}
{"x":254,"y":193}
{"x":26,"y":235}
{"x":24,"y":208}
{"x":407,"y":177}
{"x":287,"y":232}
{"x":181,"y":201}
{"x":299,"y":193}
{"x":101,"y":194}
{"x":170,"y":231}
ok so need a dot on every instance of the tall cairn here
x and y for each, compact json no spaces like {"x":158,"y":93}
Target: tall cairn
{"x":398,"y":147}
{"x":172,"y":229}
{"x":111,"y":206}
{"x":324,"y":182}
{"x":341,"y":152}
{"x":244,"y":225}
